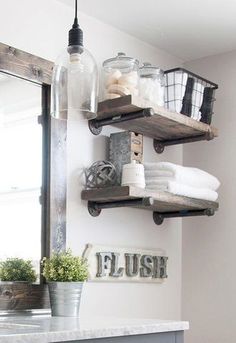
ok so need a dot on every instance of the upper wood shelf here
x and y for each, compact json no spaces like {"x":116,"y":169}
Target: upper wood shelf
{"x":163,"y":204}
{"x":164,"y":126}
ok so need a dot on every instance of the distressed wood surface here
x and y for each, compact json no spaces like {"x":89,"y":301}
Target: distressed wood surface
{"x":164,"y":125}
{"x":20,"y":63}
{"x":58,"y":185}
{"x":163,"y":201}
{"x":23,"y":296}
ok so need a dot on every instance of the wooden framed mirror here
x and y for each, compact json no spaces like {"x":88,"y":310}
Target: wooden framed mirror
{"x":33,"y":172}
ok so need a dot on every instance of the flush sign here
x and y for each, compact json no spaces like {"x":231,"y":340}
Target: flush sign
{"x":125,"y":264}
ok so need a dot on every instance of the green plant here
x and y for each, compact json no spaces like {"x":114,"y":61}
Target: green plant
{"x":17,"y":269}
{"x":64,"y":267}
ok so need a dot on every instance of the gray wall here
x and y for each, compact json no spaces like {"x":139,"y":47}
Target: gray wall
{"x":209,"y":254}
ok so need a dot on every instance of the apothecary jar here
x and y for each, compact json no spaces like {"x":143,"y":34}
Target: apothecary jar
{"x":152,"y":85}
{"x":120,"y":76}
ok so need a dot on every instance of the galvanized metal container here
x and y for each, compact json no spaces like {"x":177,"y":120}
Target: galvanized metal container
{"x":65,"y":298}
{"x":125,"y":147}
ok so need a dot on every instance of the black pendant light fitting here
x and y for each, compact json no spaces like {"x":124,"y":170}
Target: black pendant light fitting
{"x":75,"y":33}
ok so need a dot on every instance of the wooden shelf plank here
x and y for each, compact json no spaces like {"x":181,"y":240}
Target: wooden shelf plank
{"x":163,"y":201}
{"x":164,"y":125}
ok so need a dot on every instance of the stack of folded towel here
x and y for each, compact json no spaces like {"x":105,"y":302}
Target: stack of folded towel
{"x":179,"y":180}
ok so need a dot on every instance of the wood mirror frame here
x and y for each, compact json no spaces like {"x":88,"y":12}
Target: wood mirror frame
{"x":38,"y":70}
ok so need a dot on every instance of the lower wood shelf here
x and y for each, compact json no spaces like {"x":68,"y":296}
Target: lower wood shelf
{"x":162,"y":204}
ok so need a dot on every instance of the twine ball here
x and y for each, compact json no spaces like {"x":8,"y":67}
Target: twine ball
{"x":101,"y":174}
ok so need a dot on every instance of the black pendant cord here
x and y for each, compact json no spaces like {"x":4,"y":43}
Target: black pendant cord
{"x":76,"y":9}
{"x":75,"y":25}
{"x":76,"y":34}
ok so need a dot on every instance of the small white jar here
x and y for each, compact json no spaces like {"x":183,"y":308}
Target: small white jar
{"x":152,"y":87}
{"x":133,"y":175}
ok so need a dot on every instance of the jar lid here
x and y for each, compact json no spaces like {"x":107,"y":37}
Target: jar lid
{"x":122,"y":59}
{"x":147,"y":69}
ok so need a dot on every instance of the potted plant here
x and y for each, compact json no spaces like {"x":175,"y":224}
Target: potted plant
{"x":65,"y":275}
{"x":17,"y":276}
{"x":17,"y":270}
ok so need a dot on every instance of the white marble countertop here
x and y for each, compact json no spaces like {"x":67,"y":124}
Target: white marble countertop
{"x":44,"y":329}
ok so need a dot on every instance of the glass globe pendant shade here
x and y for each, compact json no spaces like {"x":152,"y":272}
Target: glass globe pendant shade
{"x":75,"y":80}
{"x":75,"y":85}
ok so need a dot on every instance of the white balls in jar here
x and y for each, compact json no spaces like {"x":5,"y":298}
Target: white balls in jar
{"x":118,"y":84}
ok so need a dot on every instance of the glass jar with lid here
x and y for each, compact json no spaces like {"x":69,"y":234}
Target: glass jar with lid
{"x":121,"y":76}
{"x":152,"y":85}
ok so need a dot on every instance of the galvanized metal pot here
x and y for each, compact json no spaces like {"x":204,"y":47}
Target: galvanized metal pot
{"x":65,"y":298}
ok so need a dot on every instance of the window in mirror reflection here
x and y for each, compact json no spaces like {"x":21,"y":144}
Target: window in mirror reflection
{"x":20,"y":169}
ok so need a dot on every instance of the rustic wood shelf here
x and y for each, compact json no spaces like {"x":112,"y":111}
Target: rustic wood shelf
{"x":162,"y":204}
{"x":165,"y":127}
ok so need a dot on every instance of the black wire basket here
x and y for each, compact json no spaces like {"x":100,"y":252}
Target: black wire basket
{"x":189,"y":94}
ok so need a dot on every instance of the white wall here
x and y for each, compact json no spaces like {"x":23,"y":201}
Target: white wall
{"x":40,"y":27}
{"x":209,"y":253}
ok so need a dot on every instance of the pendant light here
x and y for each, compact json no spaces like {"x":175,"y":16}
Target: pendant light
{"x":75,"y":79}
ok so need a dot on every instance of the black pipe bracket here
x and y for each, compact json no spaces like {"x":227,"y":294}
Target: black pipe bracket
{"x":95,"y":208}
{"x":159,"y":146}
{"x":96,"y":125}
{"x":159,"y":217}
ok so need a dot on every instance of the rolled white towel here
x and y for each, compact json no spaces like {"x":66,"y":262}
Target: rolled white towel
{"x":183,"y":190}
{"x":197,"y":98}
{"x":193,"y":177}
